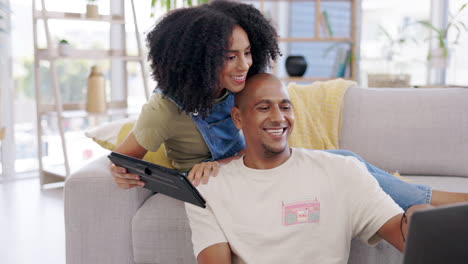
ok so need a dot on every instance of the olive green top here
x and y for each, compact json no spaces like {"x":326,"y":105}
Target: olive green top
{"x":160,"y":121}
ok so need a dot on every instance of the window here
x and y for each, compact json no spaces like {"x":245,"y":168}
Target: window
{"x":397,"y":18}
{"x":458,"y":63}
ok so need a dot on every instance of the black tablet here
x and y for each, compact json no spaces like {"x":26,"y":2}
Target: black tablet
{"x":160,"y":179}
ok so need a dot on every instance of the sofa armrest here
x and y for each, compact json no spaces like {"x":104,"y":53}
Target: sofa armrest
{"x":98,"y":216}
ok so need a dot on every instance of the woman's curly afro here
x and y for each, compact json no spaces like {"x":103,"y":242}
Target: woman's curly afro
{"x":187,"y":48}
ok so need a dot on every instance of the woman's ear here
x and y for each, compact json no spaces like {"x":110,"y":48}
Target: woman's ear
{"x":236,"y":117}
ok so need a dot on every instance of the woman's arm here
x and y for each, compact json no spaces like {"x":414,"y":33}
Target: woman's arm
{"x":129,"y":147}
{"x":201,"y":172}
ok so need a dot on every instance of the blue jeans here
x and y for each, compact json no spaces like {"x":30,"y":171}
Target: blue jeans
{"x":403,"y":193}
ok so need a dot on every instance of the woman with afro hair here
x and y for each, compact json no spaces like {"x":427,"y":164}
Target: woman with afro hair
{"x":200,"y":57}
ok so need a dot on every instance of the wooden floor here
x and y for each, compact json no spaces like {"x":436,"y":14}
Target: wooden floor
{"x":31,"y":223}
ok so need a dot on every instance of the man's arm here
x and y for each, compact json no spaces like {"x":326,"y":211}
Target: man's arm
{"x":394,"y":230}
{"x":215,"y":254}
{"x":391,"y":232}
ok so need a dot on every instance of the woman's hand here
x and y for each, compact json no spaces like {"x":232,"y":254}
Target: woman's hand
{"x":125,"y":180}
{"x":129,"y":147}
{"x":201,"y":172}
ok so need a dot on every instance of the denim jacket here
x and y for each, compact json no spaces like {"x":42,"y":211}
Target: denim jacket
{"x":217,"y":129}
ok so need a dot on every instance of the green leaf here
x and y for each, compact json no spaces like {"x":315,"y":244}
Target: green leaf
{"x":457,"y":28}
{"x":463,"y":25}
{"x":168,"y":5}
{"x":389,"y":37}
{"x":430,"y":26}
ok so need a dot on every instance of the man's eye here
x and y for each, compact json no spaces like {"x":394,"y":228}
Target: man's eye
{"x":287,"y":107}
{"x":263,"y":108}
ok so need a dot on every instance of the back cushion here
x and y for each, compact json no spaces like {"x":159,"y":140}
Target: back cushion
{"x":410,"y":130}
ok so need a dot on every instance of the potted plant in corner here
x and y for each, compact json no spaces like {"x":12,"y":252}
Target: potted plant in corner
{"x":393,"y":74}
{"x":92,"y":10}
{"x":438,"y":57}
{"x":64,"y":48}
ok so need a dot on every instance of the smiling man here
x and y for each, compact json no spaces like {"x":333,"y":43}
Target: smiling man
{"x":278,"y":204}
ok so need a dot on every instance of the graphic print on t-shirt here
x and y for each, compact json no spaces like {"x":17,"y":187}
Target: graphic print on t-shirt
{"x":300,"y":212}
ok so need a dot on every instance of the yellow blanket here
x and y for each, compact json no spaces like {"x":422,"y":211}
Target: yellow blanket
{"x":318,"y":108}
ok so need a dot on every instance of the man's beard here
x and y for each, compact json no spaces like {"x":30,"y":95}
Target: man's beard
{"x":271,"y":153}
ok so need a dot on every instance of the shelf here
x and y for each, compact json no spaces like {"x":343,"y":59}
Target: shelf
{"x":78,"y":16}
{"x":59,"y":146}
{"x":315,"y":39}
{"x":52,"y":54}
{"x":79,"y":110}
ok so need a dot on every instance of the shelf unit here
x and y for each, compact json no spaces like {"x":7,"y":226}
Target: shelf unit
{"x":61,"y":111}
{"x":317,"y":36}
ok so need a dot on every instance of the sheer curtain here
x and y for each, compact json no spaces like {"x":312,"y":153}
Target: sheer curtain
{"x":458,"y":64}
{"x":6,"y":92}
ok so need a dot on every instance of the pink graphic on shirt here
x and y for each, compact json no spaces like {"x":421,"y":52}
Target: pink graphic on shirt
{"x":301,"y":212}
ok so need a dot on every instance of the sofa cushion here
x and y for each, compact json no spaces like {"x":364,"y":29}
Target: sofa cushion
{"x":445,"y":183}
{"x":382,"y":253}
{"x":109,"y":135}
{"x":161,"y":232}
{"x":413,"y":131}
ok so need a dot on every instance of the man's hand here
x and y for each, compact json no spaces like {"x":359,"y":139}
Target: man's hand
{"x":409,"y":213}
{"x":125,"y":180}
{"x":203,"y":171}
{"x":394,"y":230}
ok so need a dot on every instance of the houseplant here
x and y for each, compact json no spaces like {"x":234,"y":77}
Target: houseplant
{"x":64,"y":48}
{"x":438,"y":57}
{"x":393,"y":44}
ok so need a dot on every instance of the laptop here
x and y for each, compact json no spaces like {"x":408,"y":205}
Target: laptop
{"x":438,"y":235}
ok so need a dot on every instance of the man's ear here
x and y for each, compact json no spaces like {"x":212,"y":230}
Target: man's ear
{"x":236,"y":117}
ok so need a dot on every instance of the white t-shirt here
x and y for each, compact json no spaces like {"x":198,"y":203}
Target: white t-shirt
{"x":307,"y":210}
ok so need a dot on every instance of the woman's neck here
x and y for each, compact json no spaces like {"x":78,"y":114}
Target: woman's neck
{"x":219,"y":93}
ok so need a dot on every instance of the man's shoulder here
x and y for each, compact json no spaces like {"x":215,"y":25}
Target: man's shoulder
{"x":225,"y":175}
{"x":324,"y":159}
{"x":301,"y":153}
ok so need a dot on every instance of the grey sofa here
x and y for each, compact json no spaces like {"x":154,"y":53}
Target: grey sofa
{"x":422,"y":133}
